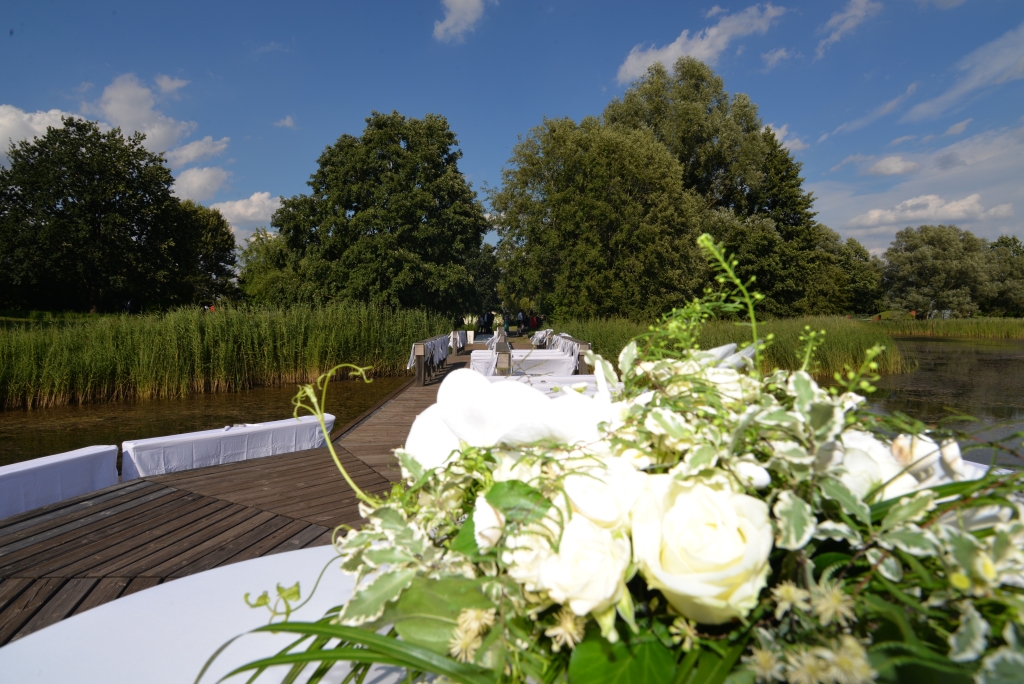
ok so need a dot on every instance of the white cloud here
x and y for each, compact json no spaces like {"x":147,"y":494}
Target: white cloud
{"x":130,"y":105}
{"x":874,"y":115}
{"x":251,"y":212}
{"x":902,"y":139}
{"x":713,"y":11}
{"x":852,"y":159}
{"x":773,"y":57}
{"x":958,"y":128}
{"x":460,"y":17}
{"x":17,"y":125}
{"x":853,"y":15}
{"x":169,"y":85}
{"x":931,"y":209}
{"x":286,"y":122}
{"x":793,"y":144}
{"x":201,"y":183}
{"x":705,"y":45}
{"x":893,"y":166}
{"x":196,"y":150}
{"x":943,"y":4}
{"x":994,"y":63}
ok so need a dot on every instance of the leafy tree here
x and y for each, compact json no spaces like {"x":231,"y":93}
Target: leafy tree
{"x":484,"y":269}
{"x":389,"y":218}
{"x":204,"y":253}
{"x":1006,"y":271}
{"x":937,"y":268}
{"x":593,"y":220}
{"x":266,"y":272}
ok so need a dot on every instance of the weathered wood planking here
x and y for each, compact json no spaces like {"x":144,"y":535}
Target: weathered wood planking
{"x":71,"y":556}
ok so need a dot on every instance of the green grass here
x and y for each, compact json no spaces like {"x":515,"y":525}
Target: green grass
{"x":844,"y":345}
{"x":1006,"y":328}
{"x":182,"y":352}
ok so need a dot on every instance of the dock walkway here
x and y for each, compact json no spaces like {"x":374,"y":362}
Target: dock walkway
{"x":71,"y":556}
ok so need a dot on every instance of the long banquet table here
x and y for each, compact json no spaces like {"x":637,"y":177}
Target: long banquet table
{"x":43,"y":481}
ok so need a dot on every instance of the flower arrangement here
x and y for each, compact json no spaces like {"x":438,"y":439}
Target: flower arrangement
{"x":696,"y":521}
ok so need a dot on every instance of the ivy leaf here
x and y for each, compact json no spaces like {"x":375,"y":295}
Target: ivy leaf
{"x":836,"y":491}
{"x":909,"y":509}
{"x":368,"y":603}
{"x":838,"y":531}
{"x":911,"y":539}
{"x":968,"y":642}
{"x":643,"y":659}
{"x":518,"y":501}
{"x":795,"y":521}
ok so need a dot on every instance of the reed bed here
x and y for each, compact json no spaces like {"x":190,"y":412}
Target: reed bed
{"x":187,"y":351}
{"x":1005,"y":328}
{"x":844,"y":344}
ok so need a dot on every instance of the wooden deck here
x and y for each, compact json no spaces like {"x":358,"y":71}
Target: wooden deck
{"x":66,"y":558}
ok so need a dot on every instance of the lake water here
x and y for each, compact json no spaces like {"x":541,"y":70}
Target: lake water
{"x":980,"y":378}
{"x":30,"y":434}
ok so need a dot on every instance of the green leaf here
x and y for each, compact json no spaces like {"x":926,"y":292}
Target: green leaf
{"x":911,"y":539}
{"x":411,"y":465}
{"x":627,"y":357}
{"x":387,"y":555}
{"x":909,"y":509}
{"x":368,"y":603}
{"x":824,"y":561}
{"x":428,"y":610}
{"x":1003,"y":666}
{"x":465,"y":540}
{"x":795,"y":519}
{"x":889,"y":567}
{"x":518,"y":501}
{"x":642,"y":659}
{"x":835,"y":490}
{"x":968,"y":642}
{"x":291,"y":593}
{"x":714,"y":668}
{"x":838,"y":531}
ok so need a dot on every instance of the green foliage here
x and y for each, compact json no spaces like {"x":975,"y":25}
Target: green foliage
{"x":186,"y":351}
{"x":593,"y":220}
{"x":390,"y":219}
{"x":88,"y":222}
{"x":641,"y":659}
{"x":1006,"y":328}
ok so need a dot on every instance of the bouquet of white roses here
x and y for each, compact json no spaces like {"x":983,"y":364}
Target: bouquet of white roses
{"x":695,"y":521}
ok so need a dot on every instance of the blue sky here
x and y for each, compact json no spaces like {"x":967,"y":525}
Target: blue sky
{"x":902,"y":111}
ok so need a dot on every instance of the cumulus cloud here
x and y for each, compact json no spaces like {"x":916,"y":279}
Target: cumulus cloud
{"x":17,"y":125}
{"x":931,"y":209}
{"x":286,"y":122}
{"x":902,"y":139}
{"x":958,"y":128}
{"x":793,"y":144}
{"x":460,"y":17}
{"x":196,"y":150}
{"x":169,"y":85}
{"x":200,"y":183}
{"x":705,"y":45}
{"x":129,"y":104}
{"x":250,"y":212}
{"x":773,"y":57}
{"x":994,"y":63}
{"x":853,"y":15}
{"x":893,"y":166}
{"x":874,"y":115}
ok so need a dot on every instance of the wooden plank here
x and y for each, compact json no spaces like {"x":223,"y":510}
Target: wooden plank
{"x":300,"y":540}
{"x":25,"y":606}
{"x":60,"y":606}
{"x":67,"y":506}
{"x":269,"y":542}
{"x":207,"y":541}
{"x":270,"y":524}
{"x":323,"y":540}
{"x":10,"y":589}
{"x":106,"y":589}
{"x":140,"y":583}
{"x":337,"y":433}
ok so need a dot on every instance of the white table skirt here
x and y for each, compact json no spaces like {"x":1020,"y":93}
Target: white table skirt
{"x":553,"y":386}
{"x":435,"y":350}
{"x":159,"y":455}
{"x":483,"y":361}
{"x":166,"y":634}
{"x":542,"y":362}
{"x":43,"y":481}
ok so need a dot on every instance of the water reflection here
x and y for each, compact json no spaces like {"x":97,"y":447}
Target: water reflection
{"x":30,"y":434}
{"x":980,"y":378}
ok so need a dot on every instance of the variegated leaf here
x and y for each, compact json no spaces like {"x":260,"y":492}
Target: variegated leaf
{"x":968,"y":642}
{"x":909,"y":509}
{"x":795,"y":519}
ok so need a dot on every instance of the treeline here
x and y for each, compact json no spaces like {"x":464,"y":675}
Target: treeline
{"x":88,"y":223}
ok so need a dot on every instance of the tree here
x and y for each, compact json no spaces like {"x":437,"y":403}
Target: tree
{"x":1006,"y":272}
{"x":936,"y":269}
{"x":484,"y":269}
{"x":204,"y":252}
{"x":390,"y":219}
{"x":593,"y":220}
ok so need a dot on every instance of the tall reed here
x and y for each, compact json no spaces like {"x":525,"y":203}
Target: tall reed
{"x":844,"y":345}
{"x":187,"y":351}
{"x":1006,"y":328}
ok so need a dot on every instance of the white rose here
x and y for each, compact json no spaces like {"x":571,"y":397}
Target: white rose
{"x":510,"y":468}
{"x":588,"y":572}
{"x":868,"y":463}
{"x":931,"y":464}
{"x":525,"y":555}
{"x":488,"y":524}
{"x":705,"y":548}
{"x":430,"y":442}
{"x":605,"y":492}
{"x":752,"y":475}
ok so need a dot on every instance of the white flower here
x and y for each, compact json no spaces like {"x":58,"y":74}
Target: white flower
{"x":510,"y":468}
{"x":430,"y":441}
{"x":488,"y":524}
{"x":605,"y":493}
{"x":868,"y":463}
{"x":752,"y":475}
{"x":705,"y":548}
{"x":931,"y":464}
{"x":588,"y":572}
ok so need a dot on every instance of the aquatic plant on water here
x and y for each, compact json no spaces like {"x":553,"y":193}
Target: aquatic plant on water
{"x":695,"y":523}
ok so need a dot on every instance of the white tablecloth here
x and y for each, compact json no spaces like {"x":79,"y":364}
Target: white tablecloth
{"x":159,"y":455}
{"x":542,"y":362}
{"x":459,"y":339}
{"x":541,"y":337}
{"x":166,"y":634}
{"x":483,"y":361}
{"x":553,"y":386}
{"x":562,"y":342}
{"x":47,"y":480}
{"x":435,"y":350}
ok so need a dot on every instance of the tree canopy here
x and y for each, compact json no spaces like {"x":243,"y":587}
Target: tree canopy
{"x":389,"y":219}
{"x":88,"y":222}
